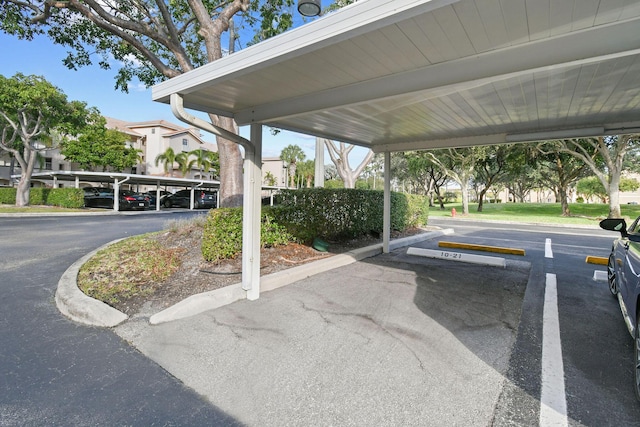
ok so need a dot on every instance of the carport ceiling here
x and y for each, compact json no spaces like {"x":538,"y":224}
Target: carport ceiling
{"x":409,"y":74}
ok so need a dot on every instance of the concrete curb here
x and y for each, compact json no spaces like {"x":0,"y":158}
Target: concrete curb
{"x":77,"y":306}
{"x":205,"y":301}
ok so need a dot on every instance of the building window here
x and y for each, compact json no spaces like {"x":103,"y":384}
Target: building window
{"x":48,"y":164}
{"x":185,"y":142}
{"x":153,"y":130}
{"x":61,"y":167}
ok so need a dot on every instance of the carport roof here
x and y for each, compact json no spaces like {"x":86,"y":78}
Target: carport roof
{"x":110,"y":177}
{"x":412,"y":74}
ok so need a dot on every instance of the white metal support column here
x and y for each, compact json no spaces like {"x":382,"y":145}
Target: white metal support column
{"x":116,"y":194}
{"x":386,"y":214}
{"x":252,"y":187}
{"x":251,"y":214}
{"x":157,"y":195}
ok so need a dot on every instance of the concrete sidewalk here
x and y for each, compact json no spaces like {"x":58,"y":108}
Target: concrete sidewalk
{"x":389,"y":340}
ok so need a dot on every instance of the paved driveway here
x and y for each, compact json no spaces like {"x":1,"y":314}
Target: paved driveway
{"x":54,"y":372}
{"x":388,"y":341}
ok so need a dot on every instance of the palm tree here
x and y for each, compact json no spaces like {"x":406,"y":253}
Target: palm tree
{"x":168,"y":158}
{"x":307,"y":171}
{"x":290,"y":155}
{"x":206,"y":160}
{"x":185,"y":164}
{"x":269,"y":179}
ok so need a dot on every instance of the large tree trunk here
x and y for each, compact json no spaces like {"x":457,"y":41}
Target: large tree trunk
{"x":464,"y":186}
{"x":231,"y":184}
{"x":23,"y":191}
{"x":563,"y":196}
{"x":481,"y":198}
{"x":614,"y":196}
{"x":27,"y":164}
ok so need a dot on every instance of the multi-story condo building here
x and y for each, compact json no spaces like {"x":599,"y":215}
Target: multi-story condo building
{"x":151,"y":138}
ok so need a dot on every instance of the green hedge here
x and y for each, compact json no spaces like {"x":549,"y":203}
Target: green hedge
{"x":63,"y":197}
{"x":346,"y":213}
{"x":305,"y":214}
{"x":222,"y":236}
{"x":8,"y":196}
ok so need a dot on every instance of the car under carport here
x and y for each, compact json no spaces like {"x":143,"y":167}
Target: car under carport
{"x":118,"y":179}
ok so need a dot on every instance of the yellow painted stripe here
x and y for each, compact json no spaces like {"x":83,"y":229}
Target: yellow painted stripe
{"x":597,"y":260}
{"x":497,"y":249}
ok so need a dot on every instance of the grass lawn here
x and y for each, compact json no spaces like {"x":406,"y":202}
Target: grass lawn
{"x":582,"y":213}
{"x":36,"y":209}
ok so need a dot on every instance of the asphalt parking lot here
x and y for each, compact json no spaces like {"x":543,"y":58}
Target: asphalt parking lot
{"x":393,"y":340}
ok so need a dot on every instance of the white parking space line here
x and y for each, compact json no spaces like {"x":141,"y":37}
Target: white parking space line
{"x":553,"y":401}
{"x":548,"y":253}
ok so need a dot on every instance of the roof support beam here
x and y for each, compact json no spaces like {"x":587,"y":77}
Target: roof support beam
{"x":177,"y":107}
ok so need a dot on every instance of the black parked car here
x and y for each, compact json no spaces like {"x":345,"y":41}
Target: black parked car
{"x":623,"y":274}
{"x":202,"y":199}
{"x":103,"y":198}
{"x":151,"y":195}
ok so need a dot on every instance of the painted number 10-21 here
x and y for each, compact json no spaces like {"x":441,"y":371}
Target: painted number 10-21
{"x":452,"y":255}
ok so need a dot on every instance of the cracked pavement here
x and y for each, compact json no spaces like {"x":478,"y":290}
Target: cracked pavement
{"x":385,"y":341}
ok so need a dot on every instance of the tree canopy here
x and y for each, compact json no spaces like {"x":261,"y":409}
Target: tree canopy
{"x":35,"y":116}
{"x":151,"y":41}
{"x":99,"y":147}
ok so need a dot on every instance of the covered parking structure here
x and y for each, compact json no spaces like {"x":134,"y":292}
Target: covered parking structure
{"x":119,"y":179}
{"x":419,"y":74}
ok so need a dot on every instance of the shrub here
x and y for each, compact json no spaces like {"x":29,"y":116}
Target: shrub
{"x":222,"y":235}
{"x":314,"y":212}
{"x":8,"y":196}
{"x":63,"y":197}
{"x":345,"y":213}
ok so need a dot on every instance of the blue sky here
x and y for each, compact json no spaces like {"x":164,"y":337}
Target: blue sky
{"x":96,"y":87}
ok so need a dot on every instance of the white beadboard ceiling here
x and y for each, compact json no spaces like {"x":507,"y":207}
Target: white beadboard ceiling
{"x":409,"y":74}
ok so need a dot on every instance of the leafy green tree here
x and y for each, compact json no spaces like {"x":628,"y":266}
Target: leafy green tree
{"x":427,"y":174}
{"x":459,"y":164}
{"x":35,"y":117}
{"x":605,"y":156}
{"x":491,"y":169}
{"x":151,"y":41}
{"x":559,"y":170}
{"x":522,"y":174}
{"x":592,"y":187}
{"x":291,"y":155}
{"x":168,"y":158}
{"x":98,"y":146}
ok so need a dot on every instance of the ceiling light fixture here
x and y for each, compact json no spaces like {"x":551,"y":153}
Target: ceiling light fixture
{"x":309,"y":7}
